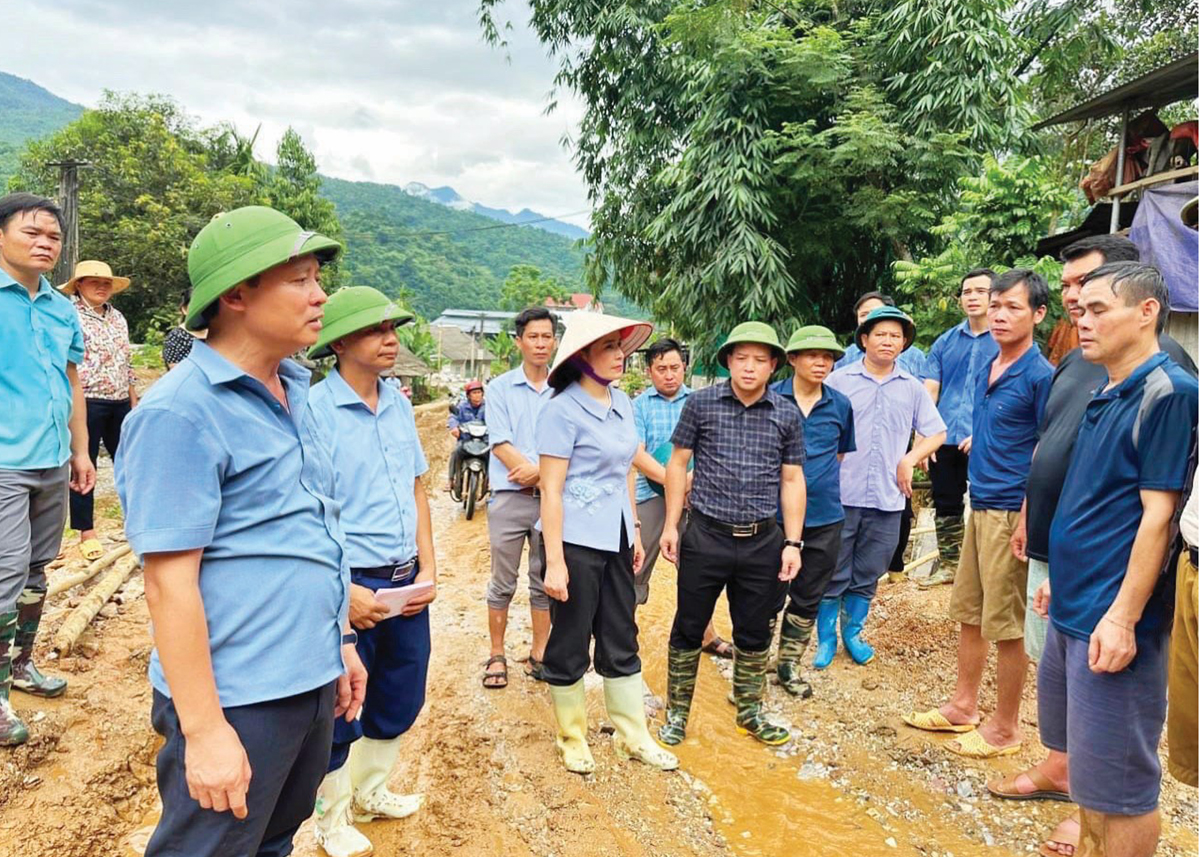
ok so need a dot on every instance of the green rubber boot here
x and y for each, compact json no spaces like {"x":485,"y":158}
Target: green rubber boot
{"x":793,"y":642}
{"x":13,"y":730}
{"x":749,"y":685}
{"x":682,"y":665}
{"x":26,"y":677}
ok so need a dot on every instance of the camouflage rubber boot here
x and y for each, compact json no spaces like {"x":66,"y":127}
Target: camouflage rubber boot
{"x":793,"y":642}
{"x":949,"y":541}
{"x":749,"y":685}
{"x":26,"y":677}
{"x":682,"y":665}
{"x":12,"y":729}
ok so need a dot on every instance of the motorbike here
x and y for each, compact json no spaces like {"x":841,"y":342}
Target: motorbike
{"x":469,"y":483}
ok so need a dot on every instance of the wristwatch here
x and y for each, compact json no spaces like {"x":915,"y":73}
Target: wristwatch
{"x":350,"y":638}
{"x":789,"y":543}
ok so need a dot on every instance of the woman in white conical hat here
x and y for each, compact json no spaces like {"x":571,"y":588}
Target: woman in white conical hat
{"x":586,"y":442}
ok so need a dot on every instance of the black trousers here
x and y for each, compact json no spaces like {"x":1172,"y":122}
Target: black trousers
{"x":746,"y":568}
{"x":287,"y":741}
{"x":600,"y":605}
{"x":818,"y":561}
{"x":104,"y":418}
{"x":906,"y":519}
{"x":949,"y":477}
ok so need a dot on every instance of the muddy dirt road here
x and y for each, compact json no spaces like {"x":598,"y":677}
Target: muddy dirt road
{"x":855,"y":781}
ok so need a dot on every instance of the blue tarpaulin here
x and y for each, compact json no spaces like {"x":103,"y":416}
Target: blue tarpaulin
{"x":1166,"y":243}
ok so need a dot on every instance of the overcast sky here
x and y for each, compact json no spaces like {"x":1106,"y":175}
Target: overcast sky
{"x":381,"y":90}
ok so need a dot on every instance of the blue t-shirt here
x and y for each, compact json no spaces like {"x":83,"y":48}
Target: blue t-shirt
{"x":1005,"y":421}
{"x":828,"y":433}
{"x":210,"y":459}
{"x":955,"y":361}
{"x":600,"y":443}
{"x":1134,"y":437}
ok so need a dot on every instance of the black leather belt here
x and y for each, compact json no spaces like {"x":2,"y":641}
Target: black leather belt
{"x":394,"y":573}
{"x":530,"y":492}
{"x":739,"y":531}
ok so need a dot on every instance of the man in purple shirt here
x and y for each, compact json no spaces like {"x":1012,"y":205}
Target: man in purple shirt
{"x":889,"y":403}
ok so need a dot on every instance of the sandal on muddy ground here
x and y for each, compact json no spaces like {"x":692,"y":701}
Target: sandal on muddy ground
{"x":972,"y":745}
{"x":495,"y":679}
{"x":720,"y":648}
{"x":1006,"y":788}
{"x":934,"y":721}
{"x":1062,"y":836}
{"x":534,"y":669}
{"x":91,"y":549}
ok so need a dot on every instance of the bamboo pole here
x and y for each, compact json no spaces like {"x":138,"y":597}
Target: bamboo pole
{"x":82,"y":616}
{"x":89,"y":572}
{"x":917,"y":563}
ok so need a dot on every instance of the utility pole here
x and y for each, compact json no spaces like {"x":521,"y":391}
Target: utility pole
{"x":68,"y":201}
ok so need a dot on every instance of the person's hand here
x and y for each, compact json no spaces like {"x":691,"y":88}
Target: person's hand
{"x":904,"y":475}
{"x":217,"y":769}
{"x":365,"y":609}
{"x":526,"y":474}
{"x":668,"y":544}
{"x":557,"y":579}
{"x":790,"y":566}
{"x":1017,"y":541}
{"x":419,"y":602}
{"x":639,"y":552}
{"x":924,"y":462}
{"x":455,"y":433}
{"x":965,"y":447}
{"x":1041,"y":600}
{"x":351,"y":685}
{"x":1112,"y":646}
{"x":83,"y":473}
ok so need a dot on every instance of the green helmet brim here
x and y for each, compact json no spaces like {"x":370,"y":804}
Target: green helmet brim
{"x":364,"y":318}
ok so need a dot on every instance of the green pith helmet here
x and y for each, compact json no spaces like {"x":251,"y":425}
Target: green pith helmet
{"x":813,"y":337}
{"x":752,"y":332}
{"x":236,"y":245}
{"x":354,"y":308}
{"x":887,"y":313}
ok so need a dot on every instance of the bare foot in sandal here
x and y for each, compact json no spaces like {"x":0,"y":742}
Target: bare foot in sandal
{"x":1064,"y":840}
{"x":495,"y":672}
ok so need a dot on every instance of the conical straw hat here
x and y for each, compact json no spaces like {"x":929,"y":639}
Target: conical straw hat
{"x":584,"y":328}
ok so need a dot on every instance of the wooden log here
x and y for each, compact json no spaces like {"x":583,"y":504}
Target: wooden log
{"x":917,"y":563}
{"x":89,"y":572}
{"x":82,"y":616}
{"x":920,"y":531}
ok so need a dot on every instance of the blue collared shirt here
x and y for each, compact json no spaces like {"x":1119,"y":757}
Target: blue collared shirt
{"x":600,"y":443}
{"x":911,"y":359}
{"x":464,"y":413}
{"x":955,"y":361}
{"x":1134,"y":437}
{"x":654,"y":417}
{"x":513,"y":409}
{"x":38,"y":338}
{"x":886,"y":412}
{"x":828,"y":433}
{"x":377,"y":458}
{"x":210,"y":459}
{"x":1005,"y":430}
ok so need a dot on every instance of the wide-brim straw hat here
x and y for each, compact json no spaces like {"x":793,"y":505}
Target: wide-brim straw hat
{"x":584,"y":328}
{"x":92,"y":268}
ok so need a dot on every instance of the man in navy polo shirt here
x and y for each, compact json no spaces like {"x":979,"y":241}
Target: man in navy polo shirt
{"x":1102,"y":677}
{"x":988,"y":600}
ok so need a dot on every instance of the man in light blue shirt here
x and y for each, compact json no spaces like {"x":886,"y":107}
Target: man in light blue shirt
{"x":951,"y":369}
{"x":377,"y":464}
{"x":43,"y":437}
{"x":912,"y":359}
{"x":514,"y":401}
{"x":228,"y":498}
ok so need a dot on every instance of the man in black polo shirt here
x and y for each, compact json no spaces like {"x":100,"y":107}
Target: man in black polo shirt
{"x":749,"y":447}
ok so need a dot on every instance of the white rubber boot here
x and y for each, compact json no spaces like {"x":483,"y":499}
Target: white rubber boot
{"x":334,"y":831}
{"x":371,"y":763}
{"x":623,"y":699}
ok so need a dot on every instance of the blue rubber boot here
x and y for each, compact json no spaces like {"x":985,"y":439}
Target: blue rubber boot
{"x":854,"y":613}
{"x":827,"y":616}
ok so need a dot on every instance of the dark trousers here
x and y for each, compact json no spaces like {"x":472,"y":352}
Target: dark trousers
{"x":287,"y":742}
{"x":906,"y":518}
{"x":747,"y":568}
{"x":104,"y":418}
{"x":396,"y":655}
{"x":600,"y":605}
{"x":868,"y":539}
{"x":948,"y":476}
{"x":818,"y":561}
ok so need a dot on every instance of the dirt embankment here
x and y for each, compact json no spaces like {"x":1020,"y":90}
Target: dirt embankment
{"x":855,"y":781}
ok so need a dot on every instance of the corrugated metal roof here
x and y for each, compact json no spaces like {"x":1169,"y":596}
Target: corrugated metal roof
{"x":1175,"y":81}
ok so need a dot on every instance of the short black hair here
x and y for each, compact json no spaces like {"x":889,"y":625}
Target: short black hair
{"x":663,"y":346}
{"x":1134,"y":282}
{"x":1036,"y":287}
{"x":873,"y":296}
{"x":977,"y":272}
{"x":533,"y":313}
{"x":19,"y":203}
{"x":185,"y":296}
{"x":1114,"y":248}
{"x":566,"y":375}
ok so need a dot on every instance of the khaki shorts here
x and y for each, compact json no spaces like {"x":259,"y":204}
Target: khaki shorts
{"x":1181,"y":677}
{"x":989,"y":588}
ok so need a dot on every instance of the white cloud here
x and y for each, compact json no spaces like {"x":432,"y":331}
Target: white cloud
{"x":381,"y":90}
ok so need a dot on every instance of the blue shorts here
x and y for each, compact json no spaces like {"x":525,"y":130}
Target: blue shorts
{"x":1109,"y":724}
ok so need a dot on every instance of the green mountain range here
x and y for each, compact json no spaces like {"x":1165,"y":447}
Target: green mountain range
{"x":27,"y":111}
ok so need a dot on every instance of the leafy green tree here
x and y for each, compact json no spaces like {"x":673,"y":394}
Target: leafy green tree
{"x":504,"y":347}
{"x":418,"y":339}
{"x":525,"y":286}
{"x":294,"y":187}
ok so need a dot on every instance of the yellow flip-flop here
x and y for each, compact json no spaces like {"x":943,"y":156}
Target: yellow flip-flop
{"x":973,"y":746}
{"x":91,"y":549}
{"x":934,"y":721}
